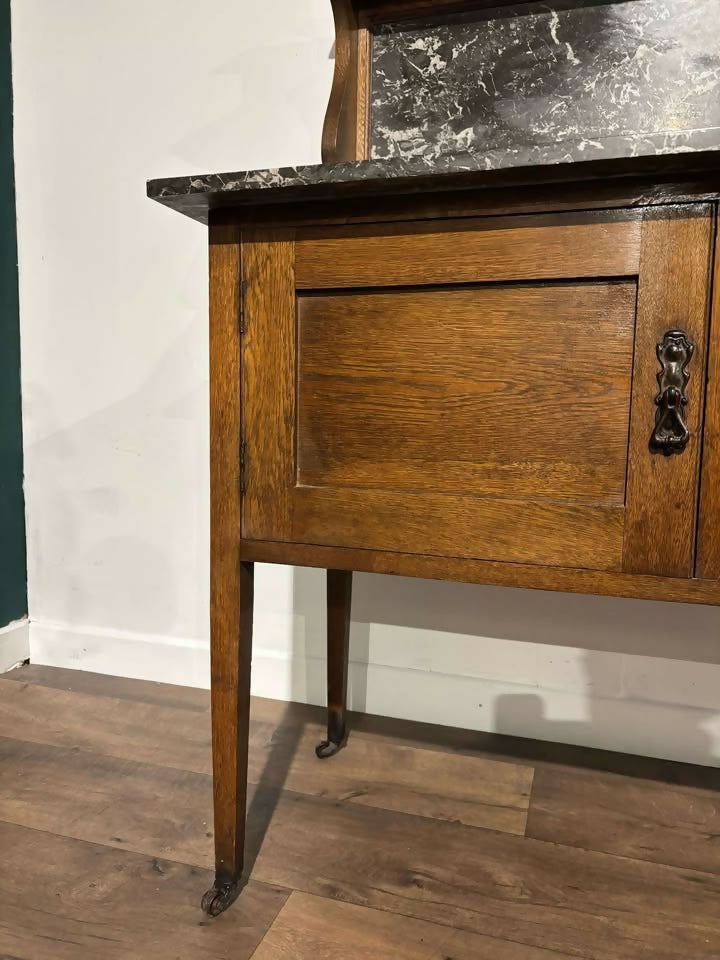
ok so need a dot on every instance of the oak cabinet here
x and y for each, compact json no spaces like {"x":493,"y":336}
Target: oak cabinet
{"x":497,"y":366}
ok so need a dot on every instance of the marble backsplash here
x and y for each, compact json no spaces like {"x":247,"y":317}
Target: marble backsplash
{"x":536,"y":74}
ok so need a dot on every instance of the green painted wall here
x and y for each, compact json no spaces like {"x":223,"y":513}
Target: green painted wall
{"x":13,"y":571}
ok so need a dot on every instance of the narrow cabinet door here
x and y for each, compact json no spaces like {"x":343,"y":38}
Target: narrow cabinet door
{"x":480,"y":388}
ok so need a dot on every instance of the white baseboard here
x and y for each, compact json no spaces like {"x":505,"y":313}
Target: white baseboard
{"x":627,"y":721}
{"x":14,"y":644}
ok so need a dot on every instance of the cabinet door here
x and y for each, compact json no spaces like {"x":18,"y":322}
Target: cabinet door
{"x":476,"y":388}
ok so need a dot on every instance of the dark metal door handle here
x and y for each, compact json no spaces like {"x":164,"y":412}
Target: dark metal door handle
{"x":671,"y":434}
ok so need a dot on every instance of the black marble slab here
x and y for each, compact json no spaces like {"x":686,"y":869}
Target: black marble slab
{"x":542,"y":74}
{"x":664,"y":155}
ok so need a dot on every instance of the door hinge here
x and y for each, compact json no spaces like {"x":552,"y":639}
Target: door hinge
{"x":241,"y":317}
{"x":243,"y":464}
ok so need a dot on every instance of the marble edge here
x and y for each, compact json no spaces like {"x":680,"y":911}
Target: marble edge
{"x":193,"y":194}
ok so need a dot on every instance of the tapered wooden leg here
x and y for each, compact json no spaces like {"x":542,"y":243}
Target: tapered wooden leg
{"x":230,"y":657}
{"x":339,"y":598}
{"x":231,"y":581}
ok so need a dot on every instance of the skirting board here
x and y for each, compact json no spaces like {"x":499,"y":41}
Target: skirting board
{"x":630,"y":724}
{"x":14,"y":644}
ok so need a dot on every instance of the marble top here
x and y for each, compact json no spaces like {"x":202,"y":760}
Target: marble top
{"x":544,"y":72}
{"x":683,"y":151}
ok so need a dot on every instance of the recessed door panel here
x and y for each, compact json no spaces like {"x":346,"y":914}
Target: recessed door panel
{"x":465,"y":390}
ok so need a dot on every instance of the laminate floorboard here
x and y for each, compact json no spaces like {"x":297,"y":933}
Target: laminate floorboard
{"x":314,"y":928}
{"x":470,"y":789}
{"x":399,"y":846}
{"x":63,"y":899}
{"x":640,"y":819}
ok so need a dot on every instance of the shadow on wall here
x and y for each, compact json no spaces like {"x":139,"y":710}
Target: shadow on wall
{"x":630,"y":675}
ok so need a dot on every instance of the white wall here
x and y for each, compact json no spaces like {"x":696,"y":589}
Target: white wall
{"x":114,"y":340}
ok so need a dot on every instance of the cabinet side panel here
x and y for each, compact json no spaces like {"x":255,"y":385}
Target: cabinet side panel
{"x":269,"y":382}
{"x":673,"y":293}
{"x":708,"y":548}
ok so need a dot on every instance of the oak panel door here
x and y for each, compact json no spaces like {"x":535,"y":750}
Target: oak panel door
{"x":474,"y":388}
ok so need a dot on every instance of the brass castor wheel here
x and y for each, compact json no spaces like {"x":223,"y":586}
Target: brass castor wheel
{"x":328,"y":748}
{"x":218,"y":898}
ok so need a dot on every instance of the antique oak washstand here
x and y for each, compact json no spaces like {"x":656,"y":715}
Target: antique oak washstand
{"x":477,"y":342}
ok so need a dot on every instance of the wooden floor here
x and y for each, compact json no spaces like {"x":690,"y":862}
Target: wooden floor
{"x":415,"y":843}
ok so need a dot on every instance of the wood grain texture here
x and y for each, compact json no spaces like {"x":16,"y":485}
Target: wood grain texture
{"x":63,"y":899}
{"x":363,"y":92}
{"x":673,"y":292}
{"x":708,"y":544}
{"x":339,"y":604}
{"x":459,"y":251}
{"x":344,"y":134}
{"x":102,"y":723}
{"x":462,"y":390}
{"x":627,"y":816}
{"x":274,"y":721}
{"x":413,"y":881}
{"x":512,"y":530}
{"x":308,"y":928}
{"x":467,"y":789}
{"x":231,"y":581}
{"x":104,"y":685}
{"x":529,"y":576}
{"x":459,"y":789}
{"x":140,"y":807}
{"x":515,"y":888}
{"x":268,"y":383}
{"x":588,"y":904}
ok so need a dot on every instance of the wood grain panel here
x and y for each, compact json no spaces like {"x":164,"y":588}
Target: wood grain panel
{"x":461,"y":390}
{"x":673,"y":292}
{"x":605,"y":244}
{"x":268,"y":382}
{"x":64,"y":899}
{"x":627,"y":816}
{"x":527,"y":575}
{"x":308,"y":928}
{"x":708,"y":544}
{"x":546,"y":532}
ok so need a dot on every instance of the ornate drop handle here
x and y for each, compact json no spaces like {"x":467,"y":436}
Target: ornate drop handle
{"x":671,"y":434}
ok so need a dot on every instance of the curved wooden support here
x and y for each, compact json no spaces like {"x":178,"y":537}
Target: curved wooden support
{"x":344,"y":134}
